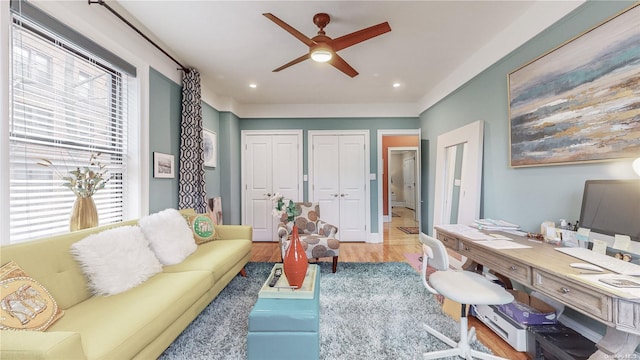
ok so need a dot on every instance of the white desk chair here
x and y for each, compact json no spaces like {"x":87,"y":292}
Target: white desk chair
{"x":464,"y":287}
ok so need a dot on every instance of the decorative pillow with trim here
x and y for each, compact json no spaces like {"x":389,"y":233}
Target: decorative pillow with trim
{"x":116,"y":260}
{"x":24,"y":303}
{"x":202,"y":227}
{"x":169,"y":234}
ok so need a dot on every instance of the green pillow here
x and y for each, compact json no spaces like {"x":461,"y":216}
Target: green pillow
{"x":202,"y":227}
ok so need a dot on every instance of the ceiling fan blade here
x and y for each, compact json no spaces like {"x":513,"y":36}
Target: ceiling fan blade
{"x":345,"y":41}
{"x":342,"y":65}
{"x":293,"y":62}
{"x":297,"y":34}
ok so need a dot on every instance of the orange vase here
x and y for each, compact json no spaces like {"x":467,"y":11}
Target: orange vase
{"x":295,"y":261}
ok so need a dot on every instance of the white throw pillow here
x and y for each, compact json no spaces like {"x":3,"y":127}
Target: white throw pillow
{"x":116,"y":260}
{"x":169,"y":234}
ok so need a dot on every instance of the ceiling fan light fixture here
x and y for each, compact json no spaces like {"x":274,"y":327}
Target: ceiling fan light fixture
{"x":321,"y":53}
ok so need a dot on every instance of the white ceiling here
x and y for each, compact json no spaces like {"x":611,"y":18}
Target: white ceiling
{"x":434,"y":47}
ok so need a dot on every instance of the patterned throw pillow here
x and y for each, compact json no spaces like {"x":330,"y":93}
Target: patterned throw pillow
{"x":24,"y":303}
{"x":203,"y":228}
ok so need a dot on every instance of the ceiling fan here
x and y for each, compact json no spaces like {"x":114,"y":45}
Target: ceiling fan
{"x":324,"y":49}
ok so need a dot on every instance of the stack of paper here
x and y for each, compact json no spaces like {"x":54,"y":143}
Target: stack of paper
{"x":490,"y":224}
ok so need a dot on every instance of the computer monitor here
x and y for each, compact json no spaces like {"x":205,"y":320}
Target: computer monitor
{"x":611,"y":207}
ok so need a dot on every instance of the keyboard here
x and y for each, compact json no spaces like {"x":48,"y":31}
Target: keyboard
{"x":604,"y":261}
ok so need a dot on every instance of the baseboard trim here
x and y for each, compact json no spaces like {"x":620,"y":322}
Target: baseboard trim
{"x":374,"y":238}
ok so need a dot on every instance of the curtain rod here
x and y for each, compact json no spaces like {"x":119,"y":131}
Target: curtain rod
{"x":103,"y":3}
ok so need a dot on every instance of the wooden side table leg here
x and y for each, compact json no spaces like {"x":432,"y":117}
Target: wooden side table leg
{"x":243,"y":272}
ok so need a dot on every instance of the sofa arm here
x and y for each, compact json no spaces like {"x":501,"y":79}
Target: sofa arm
{"x":231,"y":232}
{"x":36,"y":345}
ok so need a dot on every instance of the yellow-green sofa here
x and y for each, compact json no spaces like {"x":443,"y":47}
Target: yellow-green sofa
{"x":137,"y":324}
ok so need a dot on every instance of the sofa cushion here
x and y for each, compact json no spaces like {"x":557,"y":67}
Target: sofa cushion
{"x":202,"y":227}
{"x":169,"y":234}
{"x":216,"y":256}
{"x":50,"y":262}
{"x":24,"y":303}
{"x":116,"y":260}
{"x":119,"y":326}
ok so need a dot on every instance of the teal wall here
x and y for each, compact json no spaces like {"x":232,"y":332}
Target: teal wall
{"x":306,"y":124}
{"x":229,"y":158}
{"x":164,"y":136}
{"x":526,"y":196}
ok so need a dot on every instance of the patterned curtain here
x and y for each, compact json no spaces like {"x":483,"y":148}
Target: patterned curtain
{"x":192,"y":192}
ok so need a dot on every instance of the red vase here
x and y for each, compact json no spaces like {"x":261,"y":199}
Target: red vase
{"x":295,"y":261}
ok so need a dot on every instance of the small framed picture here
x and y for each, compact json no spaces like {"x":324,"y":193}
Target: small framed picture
{"x":210,"y":142}
{"x":163,"y":166}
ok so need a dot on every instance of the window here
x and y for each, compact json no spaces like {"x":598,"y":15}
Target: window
{"x":66,"y":103}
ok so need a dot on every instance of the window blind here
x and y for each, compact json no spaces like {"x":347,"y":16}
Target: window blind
{"x":66,"y":104}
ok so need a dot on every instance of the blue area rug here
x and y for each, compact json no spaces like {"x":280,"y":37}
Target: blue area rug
{"x":367,"y":311}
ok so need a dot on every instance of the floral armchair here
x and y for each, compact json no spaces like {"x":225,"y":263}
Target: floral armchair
{"x":318,"y":238}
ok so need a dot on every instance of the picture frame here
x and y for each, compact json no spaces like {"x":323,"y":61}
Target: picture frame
{"x":576,"y":102}
{"x":210,"y":148}
{"x":163,"y":166}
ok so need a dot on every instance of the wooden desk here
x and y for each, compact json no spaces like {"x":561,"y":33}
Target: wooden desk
{"x":547,"y":271}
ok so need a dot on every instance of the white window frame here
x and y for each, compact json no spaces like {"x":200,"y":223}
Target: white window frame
{"x":137,"y":202}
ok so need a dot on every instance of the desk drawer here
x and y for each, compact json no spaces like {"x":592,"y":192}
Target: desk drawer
{"x":510,"y":268}
{"x":448,"y":241}
{"x":582,"y":298}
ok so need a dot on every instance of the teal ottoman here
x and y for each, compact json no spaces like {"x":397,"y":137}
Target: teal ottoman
{"x":284,"y":328}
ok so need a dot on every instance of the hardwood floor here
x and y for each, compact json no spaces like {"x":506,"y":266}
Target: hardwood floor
{"x":396,"y":243}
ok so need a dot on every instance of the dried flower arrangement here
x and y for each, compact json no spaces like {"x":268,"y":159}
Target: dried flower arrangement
{"x":83,"y":181}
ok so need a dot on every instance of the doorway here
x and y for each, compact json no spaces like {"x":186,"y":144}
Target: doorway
{"x":405,"y":145}
{"x":402,"y":172}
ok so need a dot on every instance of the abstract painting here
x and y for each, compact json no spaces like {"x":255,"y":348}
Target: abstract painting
{"x":580,"y":101}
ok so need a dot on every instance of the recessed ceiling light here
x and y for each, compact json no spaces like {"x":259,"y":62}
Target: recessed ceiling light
{"x":396,"y":85}
{"x":253,"y":86}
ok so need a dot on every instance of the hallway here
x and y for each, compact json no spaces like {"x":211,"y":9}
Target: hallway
{"x":401,"y":217}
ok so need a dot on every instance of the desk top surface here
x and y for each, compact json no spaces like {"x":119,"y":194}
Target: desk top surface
{"x":543,"y":257}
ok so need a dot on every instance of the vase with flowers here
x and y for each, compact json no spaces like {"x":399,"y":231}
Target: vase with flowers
{"x":84,"y":182}
{"x":295,"y":260}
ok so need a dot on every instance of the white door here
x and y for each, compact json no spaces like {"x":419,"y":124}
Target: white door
{"x":408,"y":176}
{"x":258,"y":180}
{"x":271,"y":164}
{"x":286,"y":167}
{"x":339,"y":183}
{"x":353,"y":182}
{"x":326,"y":181}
